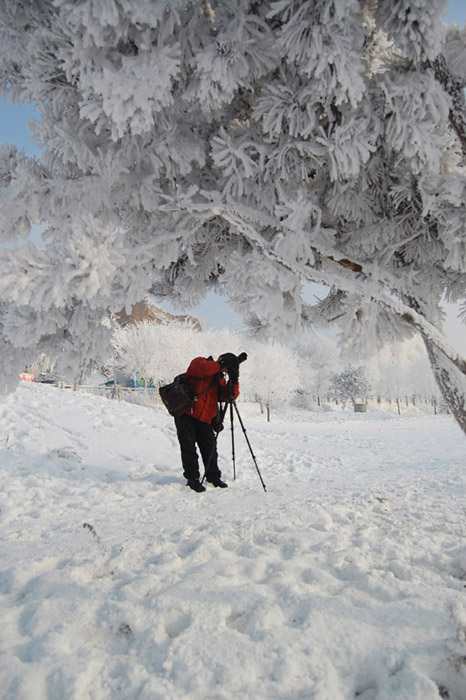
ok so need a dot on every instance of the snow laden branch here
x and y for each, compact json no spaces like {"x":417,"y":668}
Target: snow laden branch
{"x":362,"y":284}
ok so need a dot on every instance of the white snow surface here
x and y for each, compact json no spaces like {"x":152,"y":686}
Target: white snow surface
{"x":345,"y":580}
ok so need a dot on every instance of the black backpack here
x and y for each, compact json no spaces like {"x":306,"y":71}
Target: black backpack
{"x":178,"y":397}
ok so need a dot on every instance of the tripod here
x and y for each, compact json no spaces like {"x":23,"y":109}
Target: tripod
{"x":232,"y":404}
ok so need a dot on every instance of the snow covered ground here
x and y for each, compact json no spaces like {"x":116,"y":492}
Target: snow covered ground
{"x":345,"y":580}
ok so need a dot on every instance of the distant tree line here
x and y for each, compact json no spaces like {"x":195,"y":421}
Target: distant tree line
{"x":310,"y":374}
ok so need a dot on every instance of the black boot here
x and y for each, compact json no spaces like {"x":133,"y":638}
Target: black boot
{"x":195,"y":485}
{"x":218,"y":482}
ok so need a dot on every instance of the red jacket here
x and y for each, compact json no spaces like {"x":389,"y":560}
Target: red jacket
{"x":200,"y":373}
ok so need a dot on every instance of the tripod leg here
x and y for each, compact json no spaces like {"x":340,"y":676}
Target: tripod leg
{"x":232,"y":441}
{"x":249,"y":444}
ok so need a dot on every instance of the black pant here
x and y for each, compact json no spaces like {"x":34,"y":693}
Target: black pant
{"x":191,"y":431}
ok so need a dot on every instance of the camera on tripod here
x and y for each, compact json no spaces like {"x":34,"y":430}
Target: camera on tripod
{"x":230,"y":363}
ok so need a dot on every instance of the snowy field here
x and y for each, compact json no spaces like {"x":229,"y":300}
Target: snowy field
{"x":346,"y":580}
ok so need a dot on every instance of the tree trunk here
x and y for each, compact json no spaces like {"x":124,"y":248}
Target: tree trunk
{"x":451,"y":382}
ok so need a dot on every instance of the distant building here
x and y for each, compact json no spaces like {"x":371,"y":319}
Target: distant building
{"x":146,"y":311}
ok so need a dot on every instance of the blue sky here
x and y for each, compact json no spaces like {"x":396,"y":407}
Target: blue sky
{"x":214,"y":311}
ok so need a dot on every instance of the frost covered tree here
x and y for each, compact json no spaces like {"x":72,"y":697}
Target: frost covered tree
{"x":162,"y":351}
{"x":421,"y":382}
{"x":317,"y":361}
{"x":243,"y":147}
{"x":402,"y":370}
{"x":135,"y":351}
{"x":271,"y":374}
{"x":350,"y":385}
{"x":43,"y":368}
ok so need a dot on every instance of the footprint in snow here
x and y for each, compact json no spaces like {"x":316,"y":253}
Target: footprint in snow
{"x":69,"y":458}
{"x":66,"y":453}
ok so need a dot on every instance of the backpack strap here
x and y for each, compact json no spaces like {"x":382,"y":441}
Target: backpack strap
{"x":196,"y":396}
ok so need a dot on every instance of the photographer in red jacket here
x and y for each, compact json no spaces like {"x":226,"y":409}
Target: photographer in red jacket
{"x":206,"y":377}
